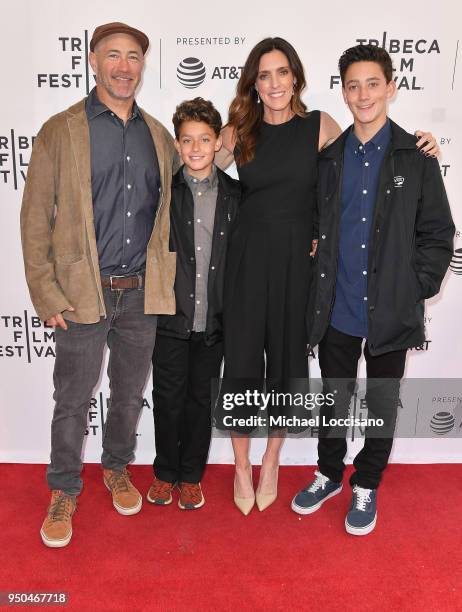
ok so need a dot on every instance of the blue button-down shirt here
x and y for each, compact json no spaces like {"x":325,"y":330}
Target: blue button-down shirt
{"x":125,"y":182}
{"x":361,"y":170}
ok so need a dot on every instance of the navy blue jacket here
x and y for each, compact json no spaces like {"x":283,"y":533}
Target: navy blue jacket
{"x":410,"y":245}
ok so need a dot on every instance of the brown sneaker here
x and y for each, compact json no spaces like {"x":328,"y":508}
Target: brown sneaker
{"x":160,"y":492}
{"x":125,"y":497}
{"x":190,"y":496}
{"x":56,"y":530}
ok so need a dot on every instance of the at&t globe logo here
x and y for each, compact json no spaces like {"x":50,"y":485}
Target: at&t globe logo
{"x":191,"y":72}
{"x":456,"y":262}
{"x":442,"y":423}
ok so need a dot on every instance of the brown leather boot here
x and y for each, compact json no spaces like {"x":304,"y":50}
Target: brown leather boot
{"x":56,"y":529}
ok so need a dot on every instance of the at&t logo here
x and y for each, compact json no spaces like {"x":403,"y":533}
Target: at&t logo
{"x":456,"y":262}
{"x":191,"y":72}
{"x":442,"y":423}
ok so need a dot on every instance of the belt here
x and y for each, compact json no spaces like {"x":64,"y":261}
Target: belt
{"x":116,"y":283}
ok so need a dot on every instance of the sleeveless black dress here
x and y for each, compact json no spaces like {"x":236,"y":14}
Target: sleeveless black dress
{"x":269,"y":267}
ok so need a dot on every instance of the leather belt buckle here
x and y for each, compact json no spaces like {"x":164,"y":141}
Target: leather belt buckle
{"x":111,"y":278}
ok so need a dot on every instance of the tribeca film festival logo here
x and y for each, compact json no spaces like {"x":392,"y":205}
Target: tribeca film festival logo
{"x":15,"y":153}
{"x":191,"y":72}
{"x":15,"y":149}
{"x":75,"y":49}
{"x":403,"y":66}
{"x":26,"y":337}
{"x":97,"y":413}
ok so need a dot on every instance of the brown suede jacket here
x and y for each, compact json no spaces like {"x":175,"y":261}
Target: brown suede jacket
{"x":57,"y":229}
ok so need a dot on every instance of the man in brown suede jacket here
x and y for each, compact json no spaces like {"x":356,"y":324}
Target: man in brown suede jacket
{"x":95,"y":228}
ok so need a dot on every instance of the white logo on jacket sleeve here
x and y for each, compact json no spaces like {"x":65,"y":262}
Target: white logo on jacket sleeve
{"x":399,"y":181}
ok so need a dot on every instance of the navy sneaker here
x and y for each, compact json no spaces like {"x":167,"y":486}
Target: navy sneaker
{"x":312,"y":497}
{"x":362,"y":516}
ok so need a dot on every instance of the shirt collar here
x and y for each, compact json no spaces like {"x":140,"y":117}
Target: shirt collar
{"x":209,"y":181}
{"x":379,"y":141}
{"x":95,"y":107}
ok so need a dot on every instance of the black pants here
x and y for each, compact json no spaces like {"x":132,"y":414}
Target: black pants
{"x":182,"y":374}
{"x":339,"y":354}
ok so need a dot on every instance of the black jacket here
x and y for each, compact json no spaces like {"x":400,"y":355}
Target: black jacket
{"x":410,"y":246}
{"x":180,"y":325}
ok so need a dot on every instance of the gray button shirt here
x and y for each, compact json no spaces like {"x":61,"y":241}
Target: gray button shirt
{"x":205,"y":194}
{"x":125,"y":184}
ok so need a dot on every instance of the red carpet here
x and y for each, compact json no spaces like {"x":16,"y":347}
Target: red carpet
{"x":217,"y":559}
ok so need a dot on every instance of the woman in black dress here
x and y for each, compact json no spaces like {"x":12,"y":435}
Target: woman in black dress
{"x":274,"y":141}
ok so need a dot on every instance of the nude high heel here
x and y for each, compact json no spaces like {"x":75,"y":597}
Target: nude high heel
{"x":266,"y":499}
{"x":245,"y":504}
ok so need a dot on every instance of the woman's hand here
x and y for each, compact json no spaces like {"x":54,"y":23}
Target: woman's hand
{"x":427,"y":139}
{"x":224,"y":157}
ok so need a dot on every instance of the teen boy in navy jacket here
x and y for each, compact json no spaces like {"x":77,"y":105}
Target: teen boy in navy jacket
{"x":385,"y":242}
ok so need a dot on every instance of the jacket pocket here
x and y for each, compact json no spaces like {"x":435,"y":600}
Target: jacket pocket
{"x":75,"y":279}
{"x":67,"y":259}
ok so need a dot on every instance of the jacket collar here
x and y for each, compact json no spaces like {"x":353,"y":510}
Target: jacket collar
{"x":211,"y":180}
{"x":225,"y":183}
{"x":80,"y":137}
{"x":95,"y":107}
{"x":400,"y":139}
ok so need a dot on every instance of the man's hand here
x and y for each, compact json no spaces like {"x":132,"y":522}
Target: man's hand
{"x":427,"y":139}
{"x":58,"y":320}
{"x":314,"y":246}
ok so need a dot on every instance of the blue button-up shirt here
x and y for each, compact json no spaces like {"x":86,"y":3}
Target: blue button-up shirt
{"x":361,"y":170}
{"x":125,"y":182}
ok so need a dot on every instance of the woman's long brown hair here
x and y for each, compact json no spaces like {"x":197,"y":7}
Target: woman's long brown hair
{"x":245,"y":115}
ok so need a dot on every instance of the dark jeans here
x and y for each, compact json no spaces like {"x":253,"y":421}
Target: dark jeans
{"x":130,"y":336}
{"x":339,"y":354}
{"x":182,"y":374}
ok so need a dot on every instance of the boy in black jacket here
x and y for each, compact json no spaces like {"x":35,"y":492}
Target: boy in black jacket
{"x":189,"y":345}
{"x":385,"y":242}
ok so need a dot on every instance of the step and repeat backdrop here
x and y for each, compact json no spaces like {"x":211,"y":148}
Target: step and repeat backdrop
{"x":45,"y":49}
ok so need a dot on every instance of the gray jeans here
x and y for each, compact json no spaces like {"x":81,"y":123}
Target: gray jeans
{"x":130,"y":336}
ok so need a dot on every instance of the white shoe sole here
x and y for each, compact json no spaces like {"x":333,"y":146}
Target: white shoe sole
{"x":153,"y":501}
{"x":194,"y":507}
{"x":301,"y":510}
{"x":126,"y":511}
{"x":359,"y":531}
{"x":55,"y":543}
